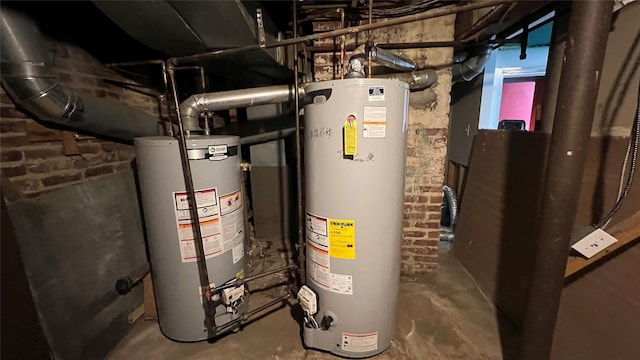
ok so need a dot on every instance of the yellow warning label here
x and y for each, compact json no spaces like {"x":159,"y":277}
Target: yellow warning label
{"x":350,"y":136}
{"x":342,"y":239}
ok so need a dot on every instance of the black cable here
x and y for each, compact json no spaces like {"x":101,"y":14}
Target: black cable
{"x":635,"y":136}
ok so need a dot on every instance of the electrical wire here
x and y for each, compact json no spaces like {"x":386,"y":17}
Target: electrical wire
{"x":632,"y":157}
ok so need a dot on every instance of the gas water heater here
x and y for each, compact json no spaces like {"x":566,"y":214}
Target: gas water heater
{"x":215,"y":167}
{"x":355,"y":139}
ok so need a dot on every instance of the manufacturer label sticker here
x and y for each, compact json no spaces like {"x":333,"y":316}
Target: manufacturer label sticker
{"x":376,"y":93}
{"x":218,"y":152}
{"x":360,"y":342}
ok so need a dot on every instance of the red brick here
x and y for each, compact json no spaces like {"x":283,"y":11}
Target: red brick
{"x":61,"y":179}
{"x":430,"y":250}
{"x":414,"y":216}
{"x":425,"y":258}
{"x":60,"y":163}
{"x":34,"y":128}
{"x":98,"y":170}
{"x":14,"y":171}
{"x":433,"y":234}
{"x":38,"y":168}
{"x":4,"y":98}
{"x":430,"y":225}
{"x":415,"y":234}
{"x":10,"y":155}
{"x":80,"y":163}
{"x":11,"y":125}
{"x":123,"y":166}
{"x":126,"y":152}
{"x":435,"y":199}
{"x":423,"y":242}
{"x":434,"y":217}
{"x":13,"y":113}
{"x":108,"y":146}
{"x":43,"y":153}
{"x":89,"y":148}
{"x":433,"y":208}
{"x":14,"y":141}
{"x":28,"y":185}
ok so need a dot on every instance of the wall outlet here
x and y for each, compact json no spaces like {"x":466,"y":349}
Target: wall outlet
{"x":593,"y":243}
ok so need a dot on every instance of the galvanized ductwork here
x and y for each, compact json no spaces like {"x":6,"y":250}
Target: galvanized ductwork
{"x":29,"y":79}
{"x":471,"y":67}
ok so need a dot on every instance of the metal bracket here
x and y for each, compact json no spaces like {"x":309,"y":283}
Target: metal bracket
{"x":262,"y":40}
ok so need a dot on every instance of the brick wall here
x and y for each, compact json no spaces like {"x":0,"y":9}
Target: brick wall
{"x":427,"y":133}
{"x":38,"y":157}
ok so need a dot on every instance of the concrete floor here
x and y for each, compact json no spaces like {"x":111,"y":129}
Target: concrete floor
{"x":445,"y":317}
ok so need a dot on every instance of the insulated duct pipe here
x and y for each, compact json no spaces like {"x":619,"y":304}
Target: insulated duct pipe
{"x":29,"y":79}
{"x":473,"y":66}
{"x":192,"y":107}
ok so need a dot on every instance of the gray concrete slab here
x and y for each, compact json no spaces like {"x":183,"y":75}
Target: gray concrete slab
{"x":445,"y":317}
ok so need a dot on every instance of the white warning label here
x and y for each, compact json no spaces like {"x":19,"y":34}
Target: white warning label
{"x":318,"y":274}
{"x":374,"y":124}
{"x":342,"y":284}
{"x":207,"y":205}
{"x":232,"y":224}
{"x":318,"y":260}
{"x":360,"y":342}
{"x":317,"y":230}
{"x":237,"y":252}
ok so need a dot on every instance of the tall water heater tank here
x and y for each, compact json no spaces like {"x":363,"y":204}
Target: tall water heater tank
{"x":355,"y":140}
{"x":215,"y":166}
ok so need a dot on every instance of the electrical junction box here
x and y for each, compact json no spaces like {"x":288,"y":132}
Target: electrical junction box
{"x":231,"y":295}
{"x":308,"y":300}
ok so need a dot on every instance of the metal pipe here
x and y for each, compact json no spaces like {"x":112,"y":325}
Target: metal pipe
{"x":369,"y":40}
{"x":193,"y":106}
{"x":29,"y":79}
{"x":203,"y":275}
{"x":589,"y":26}
{"x":438,"y":12}
{"x":265,"y":137}
{"x":393,"y":46}
{"x":248,"y":314}
{"x":239,"y":282}
{"x":417,"y":80}
{"x":391,"y":60}
{"x":471,"y":67}
{"x":299,"y":198}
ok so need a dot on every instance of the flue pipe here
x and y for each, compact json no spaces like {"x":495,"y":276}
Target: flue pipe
{"x":192,"y":107}
{"x":29,"y":79}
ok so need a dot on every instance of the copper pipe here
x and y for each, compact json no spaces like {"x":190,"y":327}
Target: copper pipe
{"x":203,"y":274}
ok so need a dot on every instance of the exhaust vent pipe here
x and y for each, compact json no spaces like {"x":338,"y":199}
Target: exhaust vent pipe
{"x":192,"y":107}
{"x":29,"y":79}
{"x":471,"y":67}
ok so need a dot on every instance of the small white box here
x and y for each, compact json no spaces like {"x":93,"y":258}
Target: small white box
{"x":593,"y":243}
{"x":308,"y":300}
